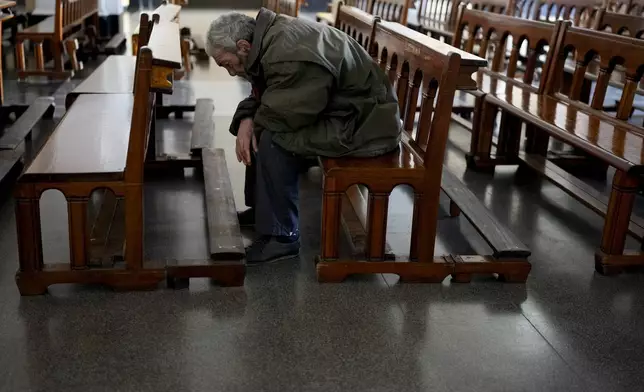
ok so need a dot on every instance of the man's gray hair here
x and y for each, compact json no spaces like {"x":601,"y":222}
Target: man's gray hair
{"x":225,"y":31}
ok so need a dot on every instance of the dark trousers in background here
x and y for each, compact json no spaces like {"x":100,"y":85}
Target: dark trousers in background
{"x":272,"y":188}
{"x":109,"y":26}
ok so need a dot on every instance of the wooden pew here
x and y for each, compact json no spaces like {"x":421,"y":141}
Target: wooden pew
{"x":13,"y":134}
{"x":422,"y":64}
{"x":388,"y":10}
{"x":608,"y":138}
{"x":76,"y":161}
{"x":61,"y":29}
{"x":438,"y":17}
{"x":506,"y":75}
{"x":166,"y":12}
{"x":620,"y":24}
{"x":581,"y":12}
{"x":288,"y":7}
{"x":627,"y":7}
{"x":330,"y":16}
{"x":116,"y":75}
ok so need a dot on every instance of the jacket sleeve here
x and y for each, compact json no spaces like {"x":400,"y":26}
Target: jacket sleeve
{"x":296,"y":93}
{"x":245,"y":109}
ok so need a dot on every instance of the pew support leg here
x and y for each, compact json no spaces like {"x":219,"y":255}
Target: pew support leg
{"x":479,"y":157}
{"x":29,"y":246}
{"x":610,"y":258}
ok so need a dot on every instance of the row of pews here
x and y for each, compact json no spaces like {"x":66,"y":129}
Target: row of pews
{"x":550,"y":98}
{"x":522,"y":74}
{"x":112,"y":157}
{"x":17,"y":121}
{"x":73,"y":27}
{"x":554,"y":68}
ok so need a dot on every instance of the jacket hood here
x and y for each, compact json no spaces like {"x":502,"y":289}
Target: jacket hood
{"x":264,"y":20}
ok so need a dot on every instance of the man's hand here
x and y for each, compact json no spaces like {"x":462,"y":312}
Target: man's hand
{"x":245,"y":139}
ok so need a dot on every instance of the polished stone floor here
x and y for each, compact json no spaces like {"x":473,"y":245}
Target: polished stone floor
{"x":567,"y":329}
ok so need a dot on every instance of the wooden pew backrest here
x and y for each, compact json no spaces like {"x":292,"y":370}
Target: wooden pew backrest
{"x":154,"y":73}
{"x":144,"y":100}
{"x":528,"y":40}
{"x":469,"y":64}
{"x":620,"y":24}
{"x":73,"y":12}
{"x":288,"y":7}
{"x":413,"y":67}
{"x":610,"y":51}
{"x":581,"y":12}
{"x":357,"y":24}
{"x":435,"y":9}
{"x":391,"y":10}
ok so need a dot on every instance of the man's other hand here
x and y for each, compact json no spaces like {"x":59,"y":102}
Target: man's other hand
{"x":245,"y":139}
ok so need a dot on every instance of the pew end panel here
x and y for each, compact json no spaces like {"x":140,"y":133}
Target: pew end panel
{"x":123,"y":122}
{"x":78,"y":159}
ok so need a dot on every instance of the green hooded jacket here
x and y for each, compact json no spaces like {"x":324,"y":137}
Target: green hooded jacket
{"x":317,"y":91}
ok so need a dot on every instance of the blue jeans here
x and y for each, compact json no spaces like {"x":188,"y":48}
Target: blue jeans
{"x":272,"y":188}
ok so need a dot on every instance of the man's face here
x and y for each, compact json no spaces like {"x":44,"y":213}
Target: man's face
{"x":234,"y":62}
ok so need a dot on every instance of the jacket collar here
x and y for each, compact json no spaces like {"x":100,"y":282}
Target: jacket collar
{"x":264,"y":21}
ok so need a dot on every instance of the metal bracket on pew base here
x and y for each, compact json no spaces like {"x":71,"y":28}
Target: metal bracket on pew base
{"x":461,"y":268}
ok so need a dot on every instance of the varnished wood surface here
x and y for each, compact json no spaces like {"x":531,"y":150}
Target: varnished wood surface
{"x":632,"y":25}
{"x":357,"y":24}
{"x":165,"y":45}
{"x":114,"y":75}
{"x":203,"y":128}
{"x":167,"y":12}
{"x":400,"y":160}
{"x":92,"y":138}
{"x":224,"y":235}
{"x":615,"y":144}
{"x":503,"y":241}
{"x":418,"y":48}
{"x":534,"y":35}
{"x":597,"y":201}
{"x":467,"y":59}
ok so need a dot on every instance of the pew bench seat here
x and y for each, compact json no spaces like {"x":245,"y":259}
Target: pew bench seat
{"x":400,"y":160}
{"x":382,"y":174}
{"x":93,"y":151}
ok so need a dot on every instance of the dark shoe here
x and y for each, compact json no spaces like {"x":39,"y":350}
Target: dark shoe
{"x":267,"y":249}
{"x":246,"y":218}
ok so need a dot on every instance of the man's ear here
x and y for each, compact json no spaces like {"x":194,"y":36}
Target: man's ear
{"x":243,"y":46}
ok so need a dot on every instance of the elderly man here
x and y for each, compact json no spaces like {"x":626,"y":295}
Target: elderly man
{"x":315,"y":92}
